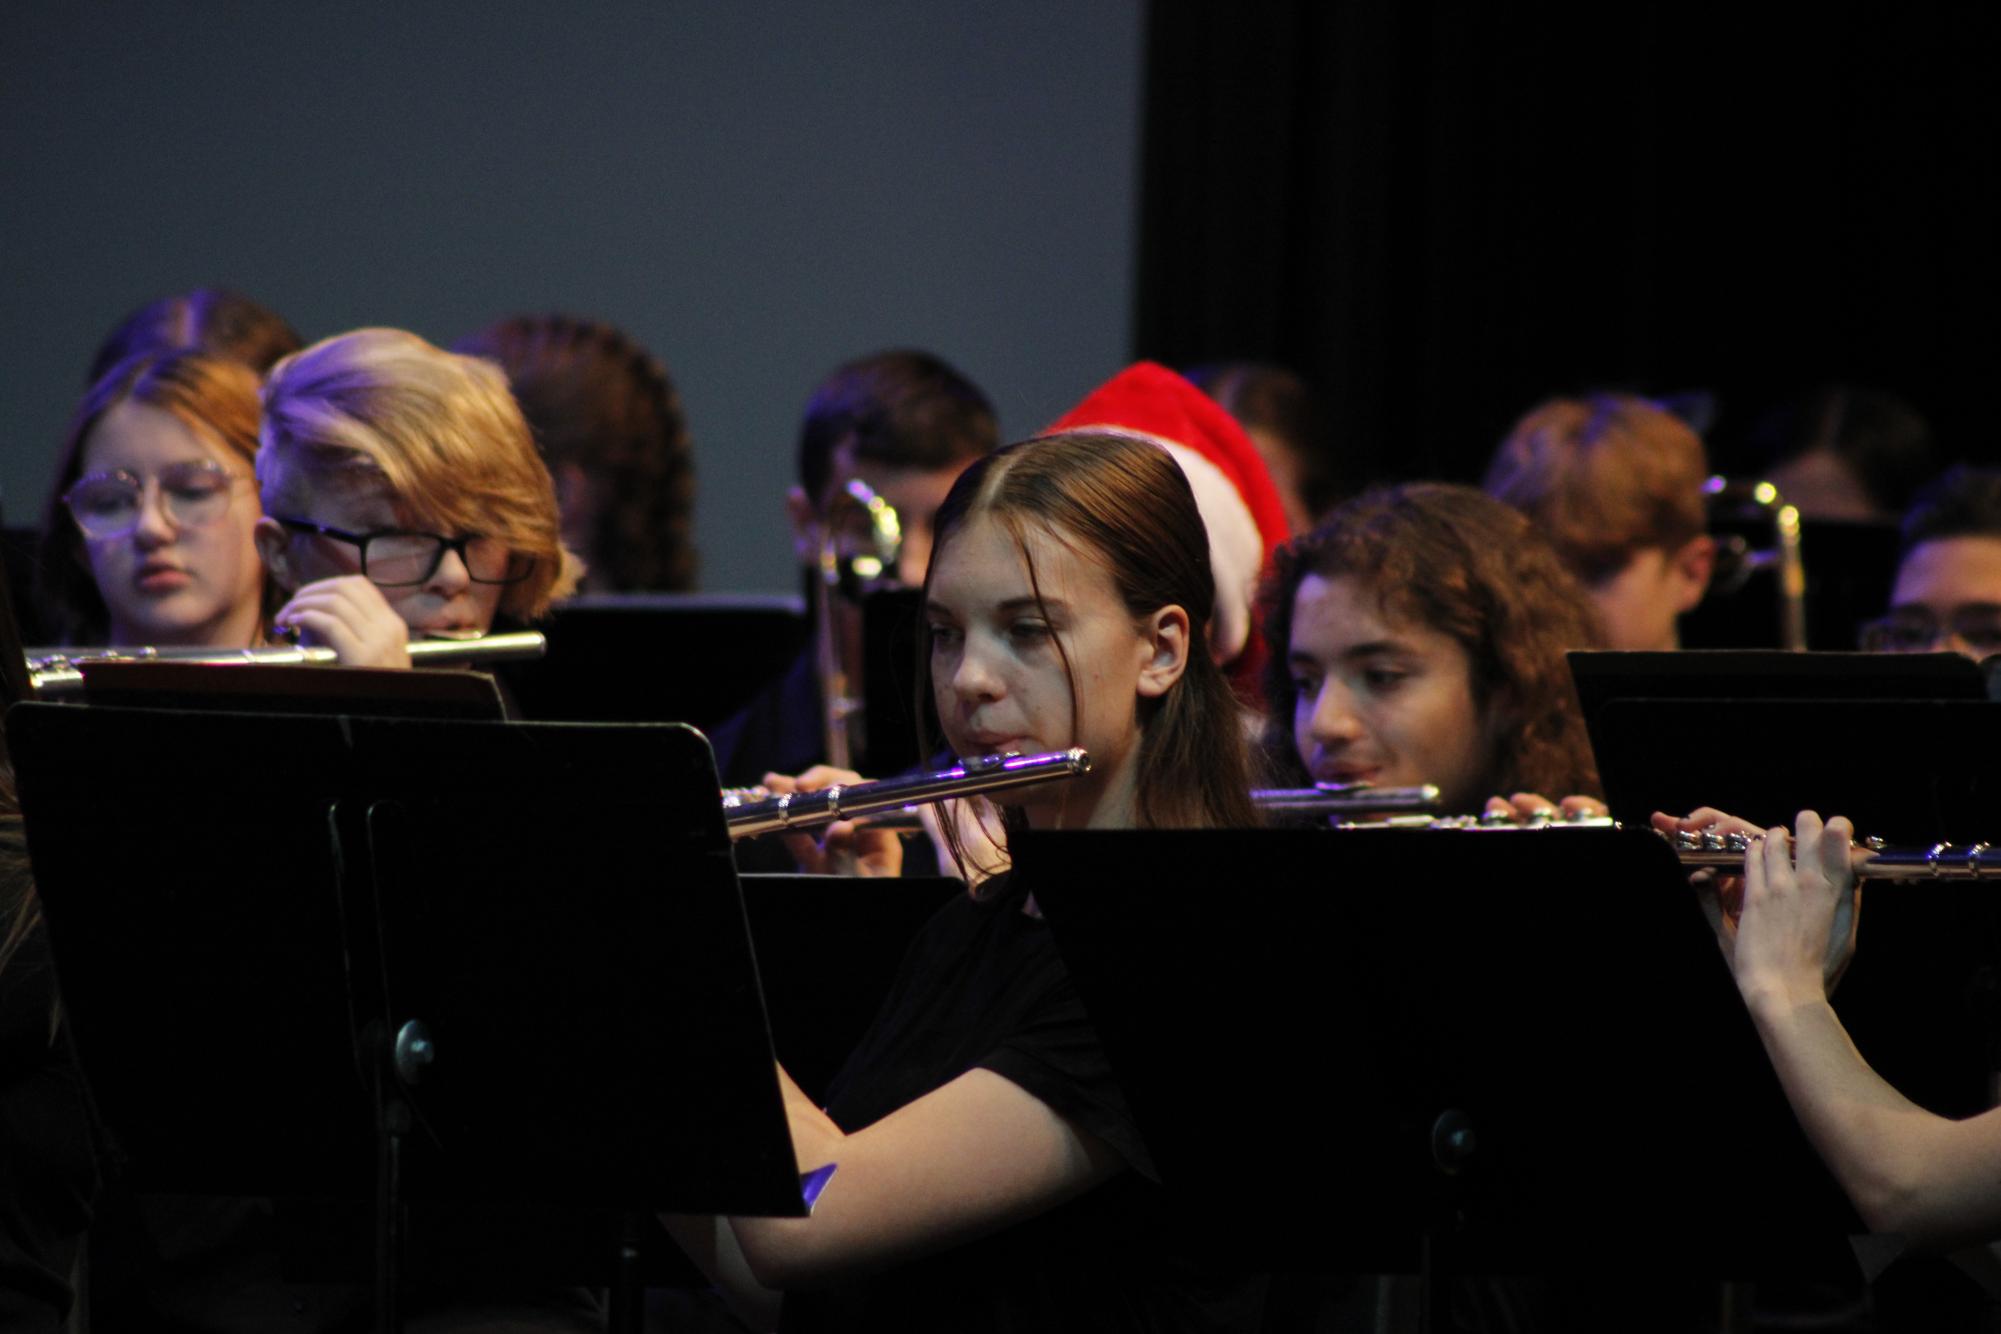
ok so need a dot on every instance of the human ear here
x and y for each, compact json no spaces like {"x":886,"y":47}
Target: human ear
{"x":1165,"y":635}
{"x":1693,"y":564}
{"x":804,"y":521}
{"x":275,"y":551}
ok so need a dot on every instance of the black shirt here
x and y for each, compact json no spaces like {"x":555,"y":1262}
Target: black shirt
{"x":984,"y":987}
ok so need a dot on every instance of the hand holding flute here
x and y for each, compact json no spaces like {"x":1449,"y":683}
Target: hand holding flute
{"x":1792,"y":915}
{"x":845,"y":847}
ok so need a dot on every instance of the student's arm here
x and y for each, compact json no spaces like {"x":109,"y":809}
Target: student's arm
{"x":1906,"y":1170}
{"x":349,"y":615}
{"x":965,"y":1160}
{"x":710,"y":1242}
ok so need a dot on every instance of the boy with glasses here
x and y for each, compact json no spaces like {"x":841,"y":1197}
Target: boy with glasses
{"x":403,"y":498}
{"x":1947,"y":594}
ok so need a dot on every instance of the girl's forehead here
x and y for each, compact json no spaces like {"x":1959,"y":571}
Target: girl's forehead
{"x":133,"y":433}
{"x":992,"y":559}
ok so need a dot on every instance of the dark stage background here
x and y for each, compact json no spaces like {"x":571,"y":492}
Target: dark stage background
{"x":1440,"y":213}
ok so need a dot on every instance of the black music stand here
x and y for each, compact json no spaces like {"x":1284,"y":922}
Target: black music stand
{"x":1394,"y":1049}
{"x":1906,"y":770}
{"x":507,"y":947}
{"x":657,"y":657}
{"x":1718,"y":674}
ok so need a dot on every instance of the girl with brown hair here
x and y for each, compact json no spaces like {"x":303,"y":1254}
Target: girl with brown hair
{"x":989,"y":1173}
{"x":1418,"y":636}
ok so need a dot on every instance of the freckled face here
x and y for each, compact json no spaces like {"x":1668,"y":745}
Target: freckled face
{"x":998,"y":677}
{"x":1382,"y":700}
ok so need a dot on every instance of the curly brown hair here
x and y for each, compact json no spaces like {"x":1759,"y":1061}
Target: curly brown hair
{"x":597,"y":399}
{"x":1474,"y":569}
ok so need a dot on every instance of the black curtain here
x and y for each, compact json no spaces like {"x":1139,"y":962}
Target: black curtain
{"x":1439,"y":214}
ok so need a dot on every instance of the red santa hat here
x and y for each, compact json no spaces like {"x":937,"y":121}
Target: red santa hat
{"x":1239,"y":504}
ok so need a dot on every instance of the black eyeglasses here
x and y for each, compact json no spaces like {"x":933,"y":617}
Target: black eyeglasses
{"x":393,"y":558}
{"x":1915,"y":631}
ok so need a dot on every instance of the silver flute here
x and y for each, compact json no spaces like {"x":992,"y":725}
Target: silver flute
{"x":1345,"y":799}
{"x":1937,"y":861}
{"x":55,"y":671}
{"x":750,"y":812}
{"x":1709,"y":850}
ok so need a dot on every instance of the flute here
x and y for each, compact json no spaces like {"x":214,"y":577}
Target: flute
{"x":1710,"y":850}
{"x":1344,"y":799}
{"x":55,"y":671}
{"x":750,"y":812}
{"x":1938,"y":861}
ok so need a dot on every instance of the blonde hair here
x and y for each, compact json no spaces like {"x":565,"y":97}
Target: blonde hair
{"x":438,"y":431}
{"x":1604,"y":478}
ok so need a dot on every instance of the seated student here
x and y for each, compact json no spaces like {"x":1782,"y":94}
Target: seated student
{"x":1418,"y":637}
{"x":609,"y":424}
{"x":403,"y":498}
{"x":989,"y":1176}
{"x":212,"y":321}
{"x":1244,"y":521}
{"x":1947,"y":593}
{"x":147,"y":538}
{"x":904,"y":424}
{"x":1616,"y":484}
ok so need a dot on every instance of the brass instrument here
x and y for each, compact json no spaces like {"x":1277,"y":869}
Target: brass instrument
{"x":57,"y":671}
{"x":1332,"y":799}
{"x":1737,"y":560}
{"x":849,"y":575}
{"x":750,"y":812}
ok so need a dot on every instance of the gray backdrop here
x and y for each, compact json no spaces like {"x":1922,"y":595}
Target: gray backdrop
{"x":756,"y":190}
